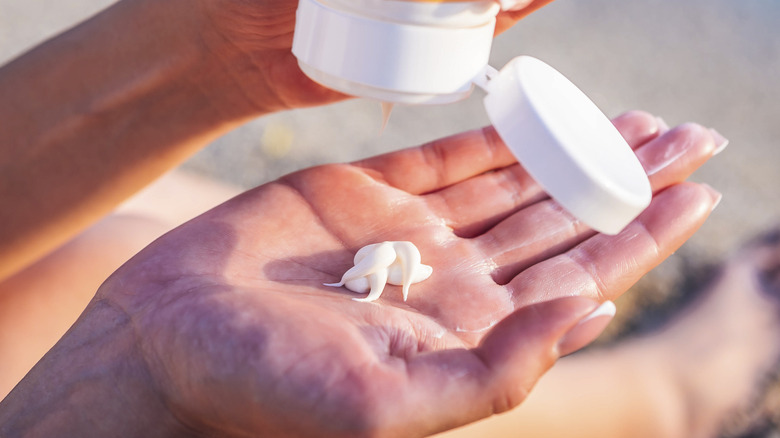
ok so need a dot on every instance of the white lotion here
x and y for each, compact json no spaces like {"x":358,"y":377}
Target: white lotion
{"x":397,"y":263}
{"x":387,"y":109}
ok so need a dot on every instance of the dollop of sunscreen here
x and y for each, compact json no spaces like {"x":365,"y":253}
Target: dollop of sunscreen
{"x":397,"y":263}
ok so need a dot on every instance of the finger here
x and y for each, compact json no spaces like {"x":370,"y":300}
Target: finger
{"x":487,"y":202}
{"x":476,"y":204}
{"x":639,"y":127}
{"x":507,"y":19}
{"x":545,"y":229}
{"x":603,"y":267}
{"x":455,"y":387}
{"x":440,"y":163}
{"x":673,"y":157}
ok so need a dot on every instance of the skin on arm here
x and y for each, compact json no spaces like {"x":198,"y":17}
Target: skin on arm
{"x":225,"y":322}
{"x":95,"y":114}
{"x":58,"y":287}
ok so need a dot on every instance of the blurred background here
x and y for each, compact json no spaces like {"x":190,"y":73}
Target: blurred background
{"x":716,"y":62}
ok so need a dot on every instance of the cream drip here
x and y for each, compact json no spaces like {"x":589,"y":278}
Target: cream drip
{"x":397,"y":263}
{"x":387,"y":109}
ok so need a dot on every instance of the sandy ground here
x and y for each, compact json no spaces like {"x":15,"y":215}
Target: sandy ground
{"x":716,"y":62}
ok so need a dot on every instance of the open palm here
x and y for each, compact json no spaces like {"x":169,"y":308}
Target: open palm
{"x":243,"y":339}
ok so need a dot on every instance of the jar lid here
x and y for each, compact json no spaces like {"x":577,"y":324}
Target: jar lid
{"x":566,"y":144}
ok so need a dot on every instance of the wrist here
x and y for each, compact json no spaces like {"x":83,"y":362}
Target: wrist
{"x":93,"y":382}
{"x":195,"y":60}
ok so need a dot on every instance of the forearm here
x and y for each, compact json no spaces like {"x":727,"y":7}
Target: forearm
{"x":91,"y":384}
{"x":96,"y":113}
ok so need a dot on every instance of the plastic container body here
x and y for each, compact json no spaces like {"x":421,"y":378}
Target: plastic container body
{"x":395,"y":51}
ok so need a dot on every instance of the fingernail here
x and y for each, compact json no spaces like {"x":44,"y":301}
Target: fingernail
{"x":588,"y":329}
{"x":720,"y":141}
{"x":513,"y":5}
{"x":663,"y":127}
{"x":716,"y":195}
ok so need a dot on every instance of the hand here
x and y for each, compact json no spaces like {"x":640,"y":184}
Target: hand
{"x":223,"y":325}
{"x":255,"y":38}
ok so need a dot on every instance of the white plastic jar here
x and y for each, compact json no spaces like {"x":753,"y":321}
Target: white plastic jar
{"x":395,"y":51}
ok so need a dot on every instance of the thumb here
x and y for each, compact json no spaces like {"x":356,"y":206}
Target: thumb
{"x":455,"y":387}
{"x":523,"y":346}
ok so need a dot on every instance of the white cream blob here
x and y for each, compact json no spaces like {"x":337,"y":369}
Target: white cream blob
{"x":397,"y":263}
